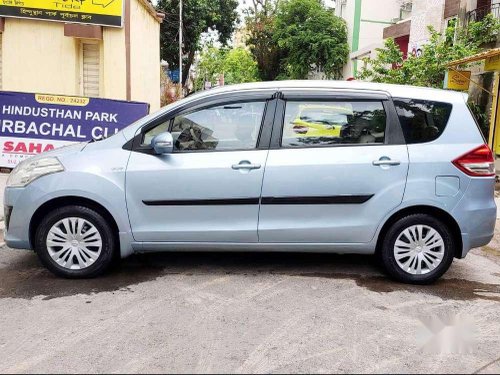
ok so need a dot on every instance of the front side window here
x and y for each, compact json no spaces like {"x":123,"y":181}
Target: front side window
{"x":226,"y":127}
{"x":323,"y":123}
{"x":422,"y":120}
{"x":150,"y":134}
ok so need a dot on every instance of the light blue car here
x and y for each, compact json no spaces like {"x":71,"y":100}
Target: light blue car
{"x":410,"y":179}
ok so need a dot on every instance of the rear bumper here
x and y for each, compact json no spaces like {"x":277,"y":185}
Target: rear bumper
{"x":476,"y":214}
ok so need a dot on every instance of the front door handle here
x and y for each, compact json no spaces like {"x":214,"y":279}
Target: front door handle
{"x":385,"y":161}
{"x":245,"y":165}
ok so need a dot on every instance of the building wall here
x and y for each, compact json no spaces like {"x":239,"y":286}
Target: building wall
{"x":145,"y":56}
{"x":113,"y":64}
{"x":38,"y":57}
{"x":425,"y":13}
{"x":347,"y":13}
{"x":32,"y":62}
{"x":366,"y":20}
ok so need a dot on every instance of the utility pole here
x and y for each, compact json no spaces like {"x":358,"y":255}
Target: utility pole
{"x":180,"y":47}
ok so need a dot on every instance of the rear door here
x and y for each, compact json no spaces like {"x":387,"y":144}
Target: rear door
{"x":337,"y":165}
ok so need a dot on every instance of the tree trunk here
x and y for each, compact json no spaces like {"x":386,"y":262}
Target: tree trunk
{"x":187,"y":67}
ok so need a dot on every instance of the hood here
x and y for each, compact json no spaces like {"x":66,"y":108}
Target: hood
{"x":61,"y":151}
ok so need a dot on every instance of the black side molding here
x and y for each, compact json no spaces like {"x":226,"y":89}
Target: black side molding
{"x":335,"y":199}
{"x":204,"y":202}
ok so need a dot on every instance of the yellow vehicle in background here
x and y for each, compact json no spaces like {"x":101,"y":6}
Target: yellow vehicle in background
{"x":319,"y":120}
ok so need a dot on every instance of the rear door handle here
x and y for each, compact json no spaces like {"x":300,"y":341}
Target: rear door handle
{"x":246,"y":165}
{"x":386,"y":162}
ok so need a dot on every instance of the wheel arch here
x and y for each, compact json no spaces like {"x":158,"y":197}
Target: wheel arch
{"x":436,"y":212}
{"x":72,"y":201}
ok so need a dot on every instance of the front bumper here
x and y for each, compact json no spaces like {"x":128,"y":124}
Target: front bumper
{"x":18,"y":209}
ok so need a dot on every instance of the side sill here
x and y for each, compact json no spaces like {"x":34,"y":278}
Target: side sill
{"x":339,"y":248}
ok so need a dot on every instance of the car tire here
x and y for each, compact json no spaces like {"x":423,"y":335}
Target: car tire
{"x":75,"y":242}
{"x":417,"y":249}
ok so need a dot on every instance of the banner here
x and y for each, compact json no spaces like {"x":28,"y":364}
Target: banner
{"x":35,"y":123}
{"x":96,"y":12}
{"x":492,"y":64}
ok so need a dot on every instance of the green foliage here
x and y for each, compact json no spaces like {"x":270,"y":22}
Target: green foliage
{"x":237,"y":64}
{"x":429,"y":69}
{"x":259,"y":23}
{"x":239,"y":67}
{"x":199,"y":16}
{"x":481,"y":117}
{"x":483,"y":32}
{"x":291,"y":38}
{"x":310,"y":36}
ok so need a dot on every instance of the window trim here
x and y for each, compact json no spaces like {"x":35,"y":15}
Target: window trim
{"x":393,"y":131}
{"x":267,"y":96}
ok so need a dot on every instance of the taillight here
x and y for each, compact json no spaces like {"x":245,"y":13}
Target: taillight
{"x":478,"y":162}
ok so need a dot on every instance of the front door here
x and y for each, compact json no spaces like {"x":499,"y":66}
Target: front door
{"x":208,"y":189}
{"x":336,"y":168}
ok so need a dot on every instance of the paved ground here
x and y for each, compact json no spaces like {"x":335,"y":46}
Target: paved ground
{"x":249,"y":313}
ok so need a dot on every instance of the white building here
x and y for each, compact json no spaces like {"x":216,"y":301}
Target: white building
{"x":366,"y":20}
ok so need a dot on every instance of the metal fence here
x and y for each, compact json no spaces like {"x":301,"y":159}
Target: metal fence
{"x":479,"y":13}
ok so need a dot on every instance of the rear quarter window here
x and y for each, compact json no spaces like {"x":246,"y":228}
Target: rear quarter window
{"x":422,"y":120}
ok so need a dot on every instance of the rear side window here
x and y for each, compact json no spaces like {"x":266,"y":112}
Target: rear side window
{"x":327,"y":123}
{"x":422,"y":121}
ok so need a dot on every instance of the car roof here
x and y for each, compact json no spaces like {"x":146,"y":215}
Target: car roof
{"x":399,"y":91}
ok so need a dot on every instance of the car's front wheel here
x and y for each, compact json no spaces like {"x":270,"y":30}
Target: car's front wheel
{"x":418,"y":249}
{"x":75,"y":242}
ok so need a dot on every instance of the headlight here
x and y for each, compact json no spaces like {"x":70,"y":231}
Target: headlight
{"x":29,"y":170}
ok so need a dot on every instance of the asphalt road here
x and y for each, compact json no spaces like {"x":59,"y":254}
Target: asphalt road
{"x":249,"y":313}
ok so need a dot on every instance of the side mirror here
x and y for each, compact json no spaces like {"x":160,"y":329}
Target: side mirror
{"x":163,"y":143}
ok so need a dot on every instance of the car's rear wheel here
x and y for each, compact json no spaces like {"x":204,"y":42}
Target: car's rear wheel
{"x":75,"y":242}
{"x":418,"y":249}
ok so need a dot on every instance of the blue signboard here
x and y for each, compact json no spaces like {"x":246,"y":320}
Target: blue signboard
{"x":174,"y":75}
{"x":34,"y":123}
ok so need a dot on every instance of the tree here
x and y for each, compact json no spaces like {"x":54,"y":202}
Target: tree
{"x":237,"y":65}
{"x":429,"y":68}
{"x":311,"y":37}
{"x":240,"y":67}
{"x":199,"y":16}
{"x":259,"y":23}
{"x":209,"y":67}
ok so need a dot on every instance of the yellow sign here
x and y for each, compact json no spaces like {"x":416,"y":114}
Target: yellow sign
{"x":97,"y":12}
{"x":458,"y":80}
{"x":492,"y":63}
{"x":62,"y":100}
